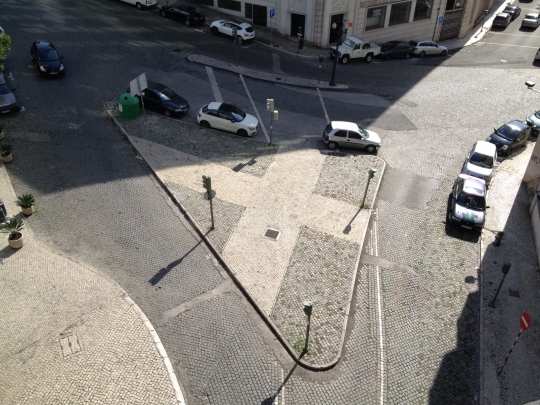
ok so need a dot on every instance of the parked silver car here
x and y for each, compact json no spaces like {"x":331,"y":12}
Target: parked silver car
{"x":534,"y":122}
{"x":481,"y":161}
{"x":468,"y":203}
{"x":423,"y":47}
{"x":341,"y":133}
{"x":531,"y":20}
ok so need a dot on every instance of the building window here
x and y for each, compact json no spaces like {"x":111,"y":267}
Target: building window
{"x":230,"y":5}
{"x":423,"y":9}
{"x":400,"y":13}
{"x":249,"y":10}
{"x":375,"y":18}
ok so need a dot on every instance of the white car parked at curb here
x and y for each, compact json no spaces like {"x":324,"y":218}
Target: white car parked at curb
{"x":228,"y":118}
{"x":244,"y":31}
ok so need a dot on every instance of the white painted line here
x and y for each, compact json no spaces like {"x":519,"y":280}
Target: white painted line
{"x":10,"y":76}
{"x":506,"y":33}
{"x":323,"y":106}
{"x":517,"y":46}
{"x":196,"y":29}
{"x":255,"y":109}
{"x":379,"y":311}
{"x":213,"y":83}
{"x":283,"y":390}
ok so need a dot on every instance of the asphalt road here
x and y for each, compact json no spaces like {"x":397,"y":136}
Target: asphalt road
{"x":98,"y":204}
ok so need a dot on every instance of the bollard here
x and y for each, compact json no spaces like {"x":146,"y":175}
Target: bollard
{"x":498,"y":239}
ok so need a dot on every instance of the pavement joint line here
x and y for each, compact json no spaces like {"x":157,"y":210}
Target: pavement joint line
{"x":379,"y":311}
{"x":481,"y":322}
{"x":323,"y":106}
{"x":213,"y":83}
{"x":254,"y":107}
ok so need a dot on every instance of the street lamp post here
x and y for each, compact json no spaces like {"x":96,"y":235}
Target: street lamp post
{"x":332,"y":80}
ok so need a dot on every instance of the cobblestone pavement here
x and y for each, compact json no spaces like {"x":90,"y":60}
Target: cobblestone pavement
{"x":299,"y":193}
{"x":67,"y":335}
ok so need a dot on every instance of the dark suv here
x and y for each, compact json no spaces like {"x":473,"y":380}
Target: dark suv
{"x":502,"y":20}
{"x":396,"y":49}
{"x":189,"y":15}
{"x":160,"y":98}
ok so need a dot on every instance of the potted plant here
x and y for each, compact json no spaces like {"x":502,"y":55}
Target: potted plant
{"x":26,"y":202}
{"x":1,"y":131}
{"x":13,"y":227}
{"x":5,"y":152}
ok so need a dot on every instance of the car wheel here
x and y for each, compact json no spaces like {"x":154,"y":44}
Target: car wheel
{"x":239,"y":40}
{"x":370,"y":149}
{"x":387,"y":57}
{"x":332,"y":145}
{"x":344,"y":60}
{"x":242,"y":132}
{"x":443,"y":53}
{"x":167,"y":112}
{"x":407,"y":55}
{"x":139,"y":6}
{"x":215,"y":31}
{"x":422,"y":54}
{"x":204,"y":124}
{"x":163,"y":14}
{"x":187,"y":22}
{"x":449,"y":219}
{"x":369,"y":57}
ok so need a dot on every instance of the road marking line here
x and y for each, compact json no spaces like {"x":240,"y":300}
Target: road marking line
{"x":323,"y":106}
{"x":506,"y":33}
{"x":213,"y":83}
{"x":255,"y":108}
{"x":518,"y":46}
{"x":283,"y":390}
{"x":379,"y":310}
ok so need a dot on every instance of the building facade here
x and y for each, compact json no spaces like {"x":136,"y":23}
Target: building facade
{"x":322,"y":21}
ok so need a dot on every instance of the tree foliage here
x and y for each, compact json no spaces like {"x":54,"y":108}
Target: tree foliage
{"x":5,"y":47}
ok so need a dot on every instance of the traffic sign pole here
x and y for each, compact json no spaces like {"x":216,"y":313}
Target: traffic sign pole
{"x":524,"y":323}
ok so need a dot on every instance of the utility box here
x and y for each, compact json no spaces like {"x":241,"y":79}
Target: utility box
{"x":128,"y":106}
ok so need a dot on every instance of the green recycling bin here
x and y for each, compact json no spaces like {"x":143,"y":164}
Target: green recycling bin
{"x":128,"y":106}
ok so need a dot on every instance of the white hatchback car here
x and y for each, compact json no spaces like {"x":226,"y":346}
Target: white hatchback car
{"x":228,"y":118}
{"x":481,"y":161}
{"x":244,"y":31}
{"x":341,"y":133}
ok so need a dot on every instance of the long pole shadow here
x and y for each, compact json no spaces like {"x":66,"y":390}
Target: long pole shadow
{"x":348,"y":228}
{"x":272,"y":399}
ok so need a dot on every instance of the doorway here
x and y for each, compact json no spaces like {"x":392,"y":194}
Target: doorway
{"x":259,"y":15}
{"x":335,"y":33}
{"x":298,"y":20}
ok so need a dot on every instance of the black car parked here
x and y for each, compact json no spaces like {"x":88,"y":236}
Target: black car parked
{"x":189,"y":15}
{"x":510,"y":137}
{"x":396,"y":49}
{"x":160,"y":98}
{"x":8,"y":102}
{"x":514,"y":11}
{"x":46,"y":59}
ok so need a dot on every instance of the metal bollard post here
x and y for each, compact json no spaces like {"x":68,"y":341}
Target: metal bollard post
{"x":498,"y":239}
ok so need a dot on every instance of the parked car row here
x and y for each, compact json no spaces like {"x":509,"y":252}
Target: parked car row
{"x":468,"y":198}
{"x":510,"y":13}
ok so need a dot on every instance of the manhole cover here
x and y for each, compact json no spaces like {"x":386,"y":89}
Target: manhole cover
{"x":70,"y":345}
{"x":513,"y":293}
{"x":273,"y":234}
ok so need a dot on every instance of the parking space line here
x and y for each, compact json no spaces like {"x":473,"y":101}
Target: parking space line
{"x":518,"y":46}
{"x":323,"y":106}
{"x":213,"y":83}
{"x":255,"y":108}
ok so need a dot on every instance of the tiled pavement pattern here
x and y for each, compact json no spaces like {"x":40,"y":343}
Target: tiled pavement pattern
{"x":112,"y":360}
{"x":519,"y":380}
{"x":239,"y":154}
{"x":280,"y":196}
{"x":320,"y":271}
{"x":345,"y":177}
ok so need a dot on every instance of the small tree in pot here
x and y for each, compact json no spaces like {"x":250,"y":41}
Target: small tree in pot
{"x":5,"y":152}
{"x":26,"y":202}
{"x":13,"y":227}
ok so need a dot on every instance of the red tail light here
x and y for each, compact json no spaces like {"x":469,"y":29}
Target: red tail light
{"x":199,"y":114}
{"x":195,"y":19}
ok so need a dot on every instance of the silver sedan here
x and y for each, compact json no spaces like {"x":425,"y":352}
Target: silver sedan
{"x":423,"y":47}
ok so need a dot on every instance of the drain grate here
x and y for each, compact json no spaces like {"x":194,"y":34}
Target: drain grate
{"x":513,"y":293}
{"x":273,"y":234}
{"x":70,"y":345}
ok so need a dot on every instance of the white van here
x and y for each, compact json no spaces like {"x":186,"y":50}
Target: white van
{"x":142,"y":4}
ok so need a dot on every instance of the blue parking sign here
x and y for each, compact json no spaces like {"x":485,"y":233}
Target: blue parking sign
{"x":441,"y":19}
{"x":272,"y":12}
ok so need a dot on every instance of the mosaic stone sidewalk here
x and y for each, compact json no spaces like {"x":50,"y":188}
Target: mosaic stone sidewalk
{"x":311,"y":199}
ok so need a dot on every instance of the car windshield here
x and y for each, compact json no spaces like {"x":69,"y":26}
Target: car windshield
{"x":4,"y":89}
{"x":328,"y":129}
{"x":166,"y":93}
{"x":363,"y":132}
{"x":237,"y":113}
{"x":509,"y":9}
{"x":47,"y":55}
{"x":531,"y":17}
{"x":389,"y":45}
{"x":507,"y":132}
{"x":537,"y":114}
{"x":482,"y":160}
{"x":500,"y":18}
{"x":349,"y":43}
{"x":472,"y":201}
{"x":193,"y":10}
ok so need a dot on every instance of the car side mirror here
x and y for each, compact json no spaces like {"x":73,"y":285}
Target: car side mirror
{"x":487,"y":206}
